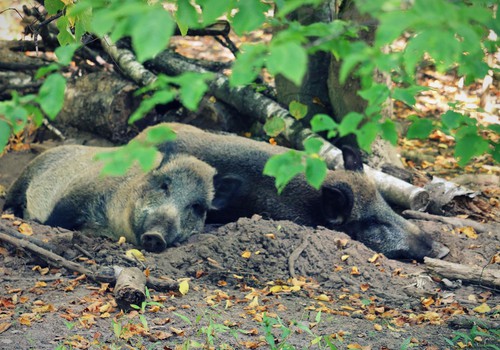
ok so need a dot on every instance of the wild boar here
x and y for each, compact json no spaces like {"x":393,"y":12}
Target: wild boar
{"x":348,"y":200}
{"x":63,"y":187}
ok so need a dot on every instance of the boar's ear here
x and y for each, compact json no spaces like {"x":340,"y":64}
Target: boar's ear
{"x":337,"y":202}
{"x":352,"y":159}
{"x":226,"y":188}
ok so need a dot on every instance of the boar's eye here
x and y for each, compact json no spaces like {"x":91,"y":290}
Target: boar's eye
{"x":198,"y":209}
{"x":165,"y":186}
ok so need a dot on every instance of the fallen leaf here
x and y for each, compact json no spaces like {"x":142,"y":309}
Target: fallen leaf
{"x":483,"y":308}
{"x":246,"y":254}
{"x":364,"y":287}
{"x":468,"y":231}
{"x":344,"y":257}
{"x":8,"y":216}
{"x":25,"y":229}
{"x":355,"y":271}
{"x":135,"y":254}
{"x":377,"y":327}
{"x":4,"y":326}
{"x":121,"y":240}
{"x":184,"y":286}
{"x":323,"y":297}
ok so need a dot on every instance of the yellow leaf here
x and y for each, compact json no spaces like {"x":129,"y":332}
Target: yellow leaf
{"x":246,"y":254}
{"x":483,"y":308}
{"x":184,"y":286}
{"x":468,"y":231}
{"x":374,"y":258}
{"x":276,"y":289}
{"x":121,"y":240}
{"x":355,"y":271}
{"x":135,"y":254}
{"x":344,"y":257}
{"x":7,"y":216}
{"x":323,"y":297}
{"x":254,"y":303}
{"x":25,"y":229}
{"x":377,"y":327}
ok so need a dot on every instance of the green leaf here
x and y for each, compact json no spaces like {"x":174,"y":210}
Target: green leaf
{"x":419,"y":129}
{"x":18,"y":116}
{"x":323,"y":122}
{"x":349,"y":123}
{"x":42,"y":71}
{"x":159,"y":134}
{"x":146,"y":157}
{"x":193,"y":88}
{"x":290,"y":5}
{"x":186,"y":14}
{"x":297,"y":109}
{"x":407,"y":95}
{"x":151,"y":33}
{"x":250,"y":16}
{"x":367,"y":134}
{"x":315,"y":171}
{"x":494,"y":127}
{"x":159,"y":97}
{"x":52,"y":6}
{"x":312,"y":145}
{"x":284,"y":167}
{"x":65,"y":36}
{"x":468,"y":146}
{"x":274,"y":126}
{"x":4,"y":134}
{"x":51,"y":95}
{"x":65,"y":53}
{"x":248,"y":64}
{"x":376,"y":94}
{"x":213,"y":9}
{"x":452,"y":120}
{"x":102,"y":22}
{"x":389,"y":131}
{"x":288,"y":59}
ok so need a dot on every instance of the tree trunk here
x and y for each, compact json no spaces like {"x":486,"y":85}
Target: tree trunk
{"x":313,"y":92}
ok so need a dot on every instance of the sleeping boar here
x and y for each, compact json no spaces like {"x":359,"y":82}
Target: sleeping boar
{"x":347,"y":201}
{"x":62,"y":187}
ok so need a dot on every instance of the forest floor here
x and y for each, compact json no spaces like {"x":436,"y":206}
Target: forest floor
{"x":251,"y":284}
{"x":263,"y":284}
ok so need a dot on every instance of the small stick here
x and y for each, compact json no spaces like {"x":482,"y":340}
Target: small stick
{"x":456,"y":222}
{"x":295,"y":255}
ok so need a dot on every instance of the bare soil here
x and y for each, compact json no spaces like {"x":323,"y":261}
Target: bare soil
{"x":242,"y":277}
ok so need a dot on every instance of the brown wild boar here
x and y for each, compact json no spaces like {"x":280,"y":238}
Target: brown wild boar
{"x":62,"y":187}
{"x":348,"y":200}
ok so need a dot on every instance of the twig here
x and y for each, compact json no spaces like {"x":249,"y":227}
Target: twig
{"x":295,"y":255}
{"x":57,"y":260}
{"x":126,"y":60}
{"x":456,"y":222}
{"x":52,"y":128}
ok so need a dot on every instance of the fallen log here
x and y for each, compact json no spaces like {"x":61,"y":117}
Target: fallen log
{"x":455,"y":222}
{"x":130,"y":287}
{"x":470,"y":274}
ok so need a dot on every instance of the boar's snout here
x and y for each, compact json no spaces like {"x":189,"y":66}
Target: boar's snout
{"x":153,"y":242}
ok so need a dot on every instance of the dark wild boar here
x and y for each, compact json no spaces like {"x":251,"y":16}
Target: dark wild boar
{"x":62,"y":187}
{"x":348,"y":200}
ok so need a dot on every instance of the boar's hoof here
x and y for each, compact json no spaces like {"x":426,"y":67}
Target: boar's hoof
{"x":153,"y":242}
{"x":438,"y":251}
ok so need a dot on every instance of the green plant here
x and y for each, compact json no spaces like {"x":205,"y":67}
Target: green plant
{"x":475,"y":338}
{"x":282,"y":343}
{"x":142,"y":308}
